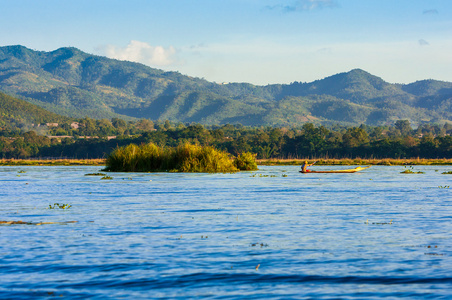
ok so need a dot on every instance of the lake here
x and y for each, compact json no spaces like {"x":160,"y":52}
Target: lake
{"x":273,"y":234}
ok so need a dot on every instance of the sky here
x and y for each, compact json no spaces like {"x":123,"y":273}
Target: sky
{"x":255,"y":41}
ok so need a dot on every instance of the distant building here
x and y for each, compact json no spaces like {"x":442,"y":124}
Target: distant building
{"x":52,"y":124}
{"x":75,"y":125}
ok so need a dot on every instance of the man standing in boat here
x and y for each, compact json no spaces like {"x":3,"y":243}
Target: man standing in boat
{"x":304,"y":167}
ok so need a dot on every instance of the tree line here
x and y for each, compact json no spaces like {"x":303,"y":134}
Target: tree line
{"x":90,"y":139}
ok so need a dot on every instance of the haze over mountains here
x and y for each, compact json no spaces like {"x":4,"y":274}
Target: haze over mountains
{"x":72,"y":83}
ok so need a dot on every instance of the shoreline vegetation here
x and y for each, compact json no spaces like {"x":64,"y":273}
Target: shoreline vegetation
{"x":305,"y":141}
{"x":261,"y":162}
{"x":52,"y":162}
{"x":356,"y":161}
{"x":183,"y":158}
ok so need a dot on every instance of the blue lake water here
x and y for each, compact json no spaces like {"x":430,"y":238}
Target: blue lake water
{"x":273,"y":233}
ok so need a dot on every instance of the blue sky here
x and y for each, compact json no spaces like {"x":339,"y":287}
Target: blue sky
{"x":260,"y":42}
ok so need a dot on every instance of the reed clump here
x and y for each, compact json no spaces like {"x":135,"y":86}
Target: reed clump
{"x":246,"y":161}
{"x":183,"y":158}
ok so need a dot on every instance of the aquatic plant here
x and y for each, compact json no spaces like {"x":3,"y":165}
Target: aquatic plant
{"x":61,"y":206}
{"x":95,"y":174}
{"x":106,"y":178}
{"x":183,"y":158}
{"x":448,"y":172}
{"x":411,"y":171}
{"x":264,"y":175}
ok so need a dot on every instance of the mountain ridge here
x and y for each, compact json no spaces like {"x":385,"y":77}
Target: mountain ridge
{"x":71,"y":82}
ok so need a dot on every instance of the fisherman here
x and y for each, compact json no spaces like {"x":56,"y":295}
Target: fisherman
{"x":304,"y":167}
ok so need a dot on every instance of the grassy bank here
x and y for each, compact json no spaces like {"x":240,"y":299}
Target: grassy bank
{"x":52,"y":162}
{"x":357,"y":161}
{"x":262,"y":162}
{"x":183,"y":158}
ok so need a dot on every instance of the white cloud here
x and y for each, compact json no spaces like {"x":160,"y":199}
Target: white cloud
{"x":143,"y":53}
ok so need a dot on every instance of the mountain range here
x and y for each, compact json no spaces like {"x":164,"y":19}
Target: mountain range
{"x":73,"y":83}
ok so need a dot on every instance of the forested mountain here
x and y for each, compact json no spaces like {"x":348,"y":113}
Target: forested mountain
{"x":76,"y":84}
{"x":17,"y":113}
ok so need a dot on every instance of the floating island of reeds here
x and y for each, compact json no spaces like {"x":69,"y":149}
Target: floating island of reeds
{"x":183,"y":158}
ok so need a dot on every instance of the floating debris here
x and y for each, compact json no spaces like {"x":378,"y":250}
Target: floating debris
{"x":262,"y":175}
{"x":383,"y":223}
{"x":34,"y":223}
{"x":259,"y":244}
{"x":257,"y":267}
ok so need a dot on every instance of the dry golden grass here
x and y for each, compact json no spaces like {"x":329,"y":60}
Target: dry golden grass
{"x":262,"y":162}
{"x":357,"y":161}
{"x":52,"y":162}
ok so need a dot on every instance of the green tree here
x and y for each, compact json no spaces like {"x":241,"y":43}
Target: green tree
{"x":87,"y":127}
{"x":119,"y":123}
{"x":427,"y":146}
{"x":105,"y":128}
{"x":355,"y":137}
{"x":145,"y":125}
{"x":404,"y":127}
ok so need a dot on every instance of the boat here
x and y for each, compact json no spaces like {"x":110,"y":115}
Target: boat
{"x":357,"y":169}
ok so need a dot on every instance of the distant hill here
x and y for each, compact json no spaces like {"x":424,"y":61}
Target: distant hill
{"x":70,"y":82}
{"x":19,"y":112}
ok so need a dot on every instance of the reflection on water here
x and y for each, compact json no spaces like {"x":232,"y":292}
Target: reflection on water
{"x":373,"y":234}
